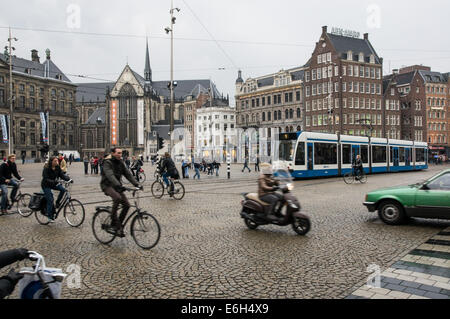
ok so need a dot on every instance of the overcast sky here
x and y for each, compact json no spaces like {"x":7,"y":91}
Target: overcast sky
{"x":258,"y":36}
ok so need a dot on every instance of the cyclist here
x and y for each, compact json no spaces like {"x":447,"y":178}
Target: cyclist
{"x":113,"y":170}
{"x":52,"y":171}
{"x":358,"y":166}
{"x":8,"y":282}
{"x":169,"y":169}
{"x":7,"y":169}
{"x":136,"y":166}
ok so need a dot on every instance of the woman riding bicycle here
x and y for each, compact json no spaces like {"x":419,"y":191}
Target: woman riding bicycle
{"x":358,"y":166}
{"x":169,"y":169}
{"x":50,"y":175}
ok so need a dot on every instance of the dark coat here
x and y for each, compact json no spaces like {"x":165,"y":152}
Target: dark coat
{"x":113,"y":170}
{"x":50,"y":176}
{"x":7,"y":170}
{"x":6,"y":258}
{"x":169,"y":166}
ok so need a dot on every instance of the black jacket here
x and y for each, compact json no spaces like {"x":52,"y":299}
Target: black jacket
{"x":7,"y":170}
{"x":169,"y":166}
{"x":113,"y":170}
{"x":6,"y":258}
{"x":357,"y":163}
{"x":50,"y":176}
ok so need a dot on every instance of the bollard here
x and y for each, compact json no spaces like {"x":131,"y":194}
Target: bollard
{"x":228,"y":166}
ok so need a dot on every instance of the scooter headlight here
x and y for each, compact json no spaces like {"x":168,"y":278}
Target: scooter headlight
{"x":290,"y":186}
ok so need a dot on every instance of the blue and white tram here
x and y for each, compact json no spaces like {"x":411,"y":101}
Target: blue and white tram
{"x":308,"y":154}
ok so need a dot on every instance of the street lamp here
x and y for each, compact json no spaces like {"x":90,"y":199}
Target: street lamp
{"x":167,"y":29}
{"x":11,"y":98}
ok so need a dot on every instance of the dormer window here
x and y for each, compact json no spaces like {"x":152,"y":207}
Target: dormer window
{"x":361,"y":57}
{"x":350,"y":55}
{"x":372,"y":59}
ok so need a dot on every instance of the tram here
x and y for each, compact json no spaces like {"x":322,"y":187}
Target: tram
{"x":310,"y":154}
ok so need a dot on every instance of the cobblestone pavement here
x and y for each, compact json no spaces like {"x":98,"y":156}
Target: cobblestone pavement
{"x":206,"y":251}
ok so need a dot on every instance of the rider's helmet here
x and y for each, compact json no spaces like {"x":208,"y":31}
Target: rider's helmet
{"x":266,"y":169}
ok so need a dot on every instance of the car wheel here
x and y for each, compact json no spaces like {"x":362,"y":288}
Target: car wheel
{"x":391,"y":213}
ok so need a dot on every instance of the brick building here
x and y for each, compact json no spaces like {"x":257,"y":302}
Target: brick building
{"x":38,"y":87}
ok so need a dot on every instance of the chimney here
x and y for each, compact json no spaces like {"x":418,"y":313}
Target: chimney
{"x":366,"y":36}
{"x":395,"y":71}
{"x":35,"y":56}
{"x":324,"y":29}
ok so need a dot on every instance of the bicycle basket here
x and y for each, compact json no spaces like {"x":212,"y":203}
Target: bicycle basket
{"x":36,"y":201}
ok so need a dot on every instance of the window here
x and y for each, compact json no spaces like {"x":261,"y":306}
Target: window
{"x":346,"y":154}
{"x":379,"y":154}
{"x":325,"y":153}
{"x":440,"y":183}
{"x":297,"y":96}
{"x":2,"y":96}
{"x":298,"y":113}
{"x":420,"y":155}
{"x":365,"y":153}
{"x":300,"y":154}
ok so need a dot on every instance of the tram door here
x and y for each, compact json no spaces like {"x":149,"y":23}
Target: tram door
{"x":355,"y":152}
{"x":408,"y":155}
{"x":395,"y":150}
{"x":310,"y":156}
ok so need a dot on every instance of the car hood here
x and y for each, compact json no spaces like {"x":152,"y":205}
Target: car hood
{"x":396,"y":189}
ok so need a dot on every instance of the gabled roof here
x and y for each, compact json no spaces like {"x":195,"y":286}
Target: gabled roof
{"x":432,"y":77}
{"x":344,"y":44}
{"x":405,"y":78}
{"x":28,"y":67}
{"x":99,"y":114}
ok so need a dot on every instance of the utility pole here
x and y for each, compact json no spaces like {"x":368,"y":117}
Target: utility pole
{"x":172,"y":22}
{"x":11,"y":97}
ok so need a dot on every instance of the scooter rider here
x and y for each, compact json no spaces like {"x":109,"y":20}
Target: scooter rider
{"x":267,"y":186}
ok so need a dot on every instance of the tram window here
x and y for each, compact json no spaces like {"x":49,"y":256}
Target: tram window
{"x":300,"y":155}
{"x":379,"y":154}
{"x":365,"y":154}
{"x":401,"y":154}
{"x":420,"y":155}
{"x":325,"y":153}
{"x":346,"y":154}
{"x":392,"y":154}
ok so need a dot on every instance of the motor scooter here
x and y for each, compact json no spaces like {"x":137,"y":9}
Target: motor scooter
{"x":256,"y":213}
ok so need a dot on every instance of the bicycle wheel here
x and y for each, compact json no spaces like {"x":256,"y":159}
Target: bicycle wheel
{"x":41,"y":216}
{"x":178,"y":190}
{"x":363,"y":178}
{"x":157,"y":189}
{"x":100,"y":221}
{"x":348,"y":178}
{"x":22,"y":205}
{"x":141,"y":177}
{"x":145,"y":230}
{"x":74,"y":213}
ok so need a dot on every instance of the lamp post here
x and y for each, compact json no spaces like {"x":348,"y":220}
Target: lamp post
{"x":11,"y":97}
{"x":172,"y":22}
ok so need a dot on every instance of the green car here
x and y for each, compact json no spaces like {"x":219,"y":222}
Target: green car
{"x":429,"y":199}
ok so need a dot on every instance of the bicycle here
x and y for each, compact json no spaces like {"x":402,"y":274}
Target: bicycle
{"x":73,"y":208}
{"x":22,"y":201}
{"x":101,"y":224}
{"x":158,"y":187}
{"x":351,"y":177}
{"x":40,"y":282}
{"x":140,"y":178}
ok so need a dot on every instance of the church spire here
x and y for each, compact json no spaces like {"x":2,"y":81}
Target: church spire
{"x":148,"y":70}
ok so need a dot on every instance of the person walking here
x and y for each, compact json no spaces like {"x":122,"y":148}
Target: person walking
{"x":246,"y":165}
{"x":86,"y":164}
{"x":197,"y":170}
{"x":100,"y":164}
{"x":257,"y":164}
{"x":183,"y":166}
{"x":70,"y":159}
{"x":62,"y":163}
{"x":23,"y":158}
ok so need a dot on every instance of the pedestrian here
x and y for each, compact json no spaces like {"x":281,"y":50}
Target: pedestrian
{"x":62,"y":163}
{"x":86,"y":164}
{"x":216,"y":167}
{"x":96,"y":165}
{"x":70,"y":159}
{"x":257,"y":164}
{"x":186,"y":168}
{"x":246,"y":165}
{"x":92,"y":165}
{"x":100,"y":164}
{"x":197,"y":170}
{"x":183,"y":166}
{"x":23,"y":158}
{"x":127,"y":162}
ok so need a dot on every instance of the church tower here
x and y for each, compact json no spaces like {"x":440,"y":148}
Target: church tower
{"x":148,"y":70}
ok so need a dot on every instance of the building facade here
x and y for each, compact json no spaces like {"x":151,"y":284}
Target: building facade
{"x":38,"y":87}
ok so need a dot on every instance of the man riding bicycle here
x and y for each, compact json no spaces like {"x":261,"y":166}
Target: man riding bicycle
{"x":8,"y":169}
{"x":169,"y":169}
{"x":113,"y":170}
{"x":358,"y":166}
{"x":136,"y":166}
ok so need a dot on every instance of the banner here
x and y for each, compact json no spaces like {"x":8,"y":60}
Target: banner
{"x":4,"y":120}
{"x":140,"y":121}
{"x":44,"y":127}
{"x":114,"y":122}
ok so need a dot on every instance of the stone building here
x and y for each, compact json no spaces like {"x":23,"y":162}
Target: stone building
{"x":38,"y":87}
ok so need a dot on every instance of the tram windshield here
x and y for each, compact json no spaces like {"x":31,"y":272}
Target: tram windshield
{"x":287,"y":150}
